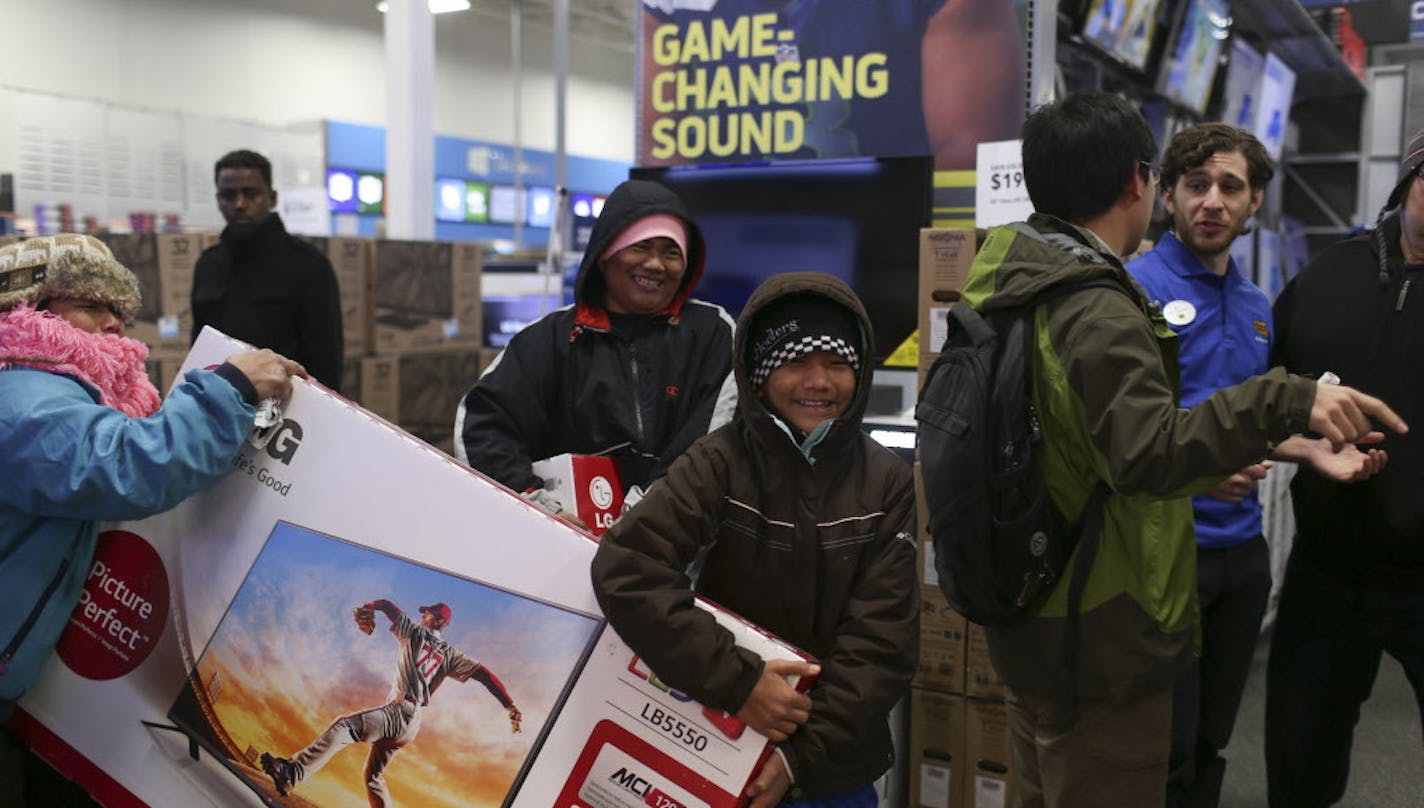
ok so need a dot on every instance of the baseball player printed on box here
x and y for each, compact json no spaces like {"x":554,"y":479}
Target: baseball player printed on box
{"x":425,"y":661}
{"x":286,"y":681}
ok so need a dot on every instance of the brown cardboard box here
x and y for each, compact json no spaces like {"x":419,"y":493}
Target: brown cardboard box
{"x":945,"y":256}
{"x":426,"y":295}
{"x":981,"y":681}
{"x":353,"y":261}
{"x":419,"y":391}
{"x":987,"y":753}
{"x":487,"y":357}
{"x":936,"y":759}
{"x":942,"y":630}
{"x":163,"y":263}
{"x":351,"y":378}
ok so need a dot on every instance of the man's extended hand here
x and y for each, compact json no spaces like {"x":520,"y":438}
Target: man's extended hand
{"x":1240,"y":485}
{"x":774,"y":708}
{"x":1349,"y":465}
{"x":515,"y":719}
{"x":1342,"y":415}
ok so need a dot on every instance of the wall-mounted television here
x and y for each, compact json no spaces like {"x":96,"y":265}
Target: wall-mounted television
{"x":341,"y":190}
{"x":506,"y":204}
{"x":541,"y":206}
{"x":1276,"y":93}
{"x":477,"y":202}
{"x":858,"y":219}
{"x":1124,"y":29}
{"x":1240,"y":94}
{"x":1190,"y":65}
{"x":355,"y":191}
{"x":584,"y":210}
{"x":370,"y":192}
{"x":449,"y":200}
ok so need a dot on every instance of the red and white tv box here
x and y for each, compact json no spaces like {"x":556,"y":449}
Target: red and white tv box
{"x":624,"y":739}
{"x":587,"y":486}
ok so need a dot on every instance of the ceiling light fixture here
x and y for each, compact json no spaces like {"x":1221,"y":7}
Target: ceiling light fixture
{"x":436,"y":6}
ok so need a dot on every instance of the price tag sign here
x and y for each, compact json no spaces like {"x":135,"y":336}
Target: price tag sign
{"x":1000,"y":195}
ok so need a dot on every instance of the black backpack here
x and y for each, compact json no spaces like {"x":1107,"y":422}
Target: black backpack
{"x":1000,"y":543}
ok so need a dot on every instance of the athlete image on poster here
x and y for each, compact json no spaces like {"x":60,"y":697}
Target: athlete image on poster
{"x":425,"y":661}
{"x":287,"y":681}
{"x":725,"y":81}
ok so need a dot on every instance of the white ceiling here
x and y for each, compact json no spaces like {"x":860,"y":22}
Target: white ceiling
{"x":605,"y":23}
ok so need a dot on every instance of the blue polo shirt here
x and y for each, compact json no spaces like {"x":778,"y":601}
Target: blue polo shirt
{"x":1223,"y":326}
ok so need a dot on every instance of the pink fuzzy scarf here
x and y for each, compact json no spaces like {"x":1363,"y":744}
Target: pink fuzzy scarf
{"x":112,"y":365}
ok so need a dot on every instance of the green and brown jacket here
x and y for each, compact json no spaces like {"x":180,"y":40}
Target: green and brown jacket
{"x":1105,"y":384}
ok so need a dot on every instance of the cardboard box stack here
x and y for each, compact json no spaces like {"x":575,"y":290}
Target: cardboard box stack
{"x":419,"y":391}
{"x":164,"y":264}
{"x":353,"y":261}
{"x":426,"y":296}
{"x":410,"y":314}
{"x":425,"y":335}
{"x":959,"y":742}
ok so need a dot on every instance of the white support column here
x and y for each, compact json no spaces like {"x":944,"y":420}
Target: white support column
{"x":410,"y":136}
{"x":516,"y":69}
{"x":563,"y":220}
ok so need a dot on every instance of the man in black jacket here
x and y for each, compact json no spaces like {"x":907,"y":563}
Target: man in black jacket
{"x":635,"y":369}
{"x":262,"y":285}
{"x":1354,"y":584}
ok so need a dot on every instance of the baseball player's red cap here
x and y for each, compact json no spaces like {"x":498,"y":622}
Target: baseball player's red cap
{"x":441,"y":611}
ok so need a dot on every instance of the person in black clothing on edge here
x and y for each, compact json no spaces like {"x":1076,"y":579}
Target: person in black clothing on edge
{"x":261,"y":285}
{"x":634,"y":369}
{"x":1354,"y":584}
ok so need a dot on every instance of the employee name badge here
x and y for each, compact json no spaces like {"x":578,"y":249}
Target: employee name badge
{"x":1179,"y":312}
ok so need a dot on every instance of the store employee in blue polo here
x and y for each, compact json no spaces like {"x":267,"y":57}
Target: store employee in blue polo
{"x":1213,"y":180}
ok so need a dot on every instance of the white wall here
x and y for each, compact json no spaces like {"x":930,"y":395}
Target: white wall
{"x":286,"y":61}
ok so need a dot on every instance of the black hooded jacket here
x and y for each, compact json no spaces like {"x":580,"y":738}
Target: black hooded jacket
{"x":1361,"y":318}
{"x":816,"y":548}
{"x":639,"y":389}
{"x":275,"y":291}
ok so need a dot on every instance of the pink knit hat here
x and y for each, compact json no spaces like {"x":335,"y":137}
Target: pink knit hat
{"x":652,"y":226}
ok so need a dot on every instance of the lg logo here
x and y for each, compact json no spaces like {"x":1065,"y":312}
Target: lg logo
{"x":601,"y":492}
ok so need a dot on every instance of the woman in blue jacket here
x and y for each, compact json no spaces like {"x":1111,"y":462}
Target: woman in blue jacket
{"x":83,"y":438}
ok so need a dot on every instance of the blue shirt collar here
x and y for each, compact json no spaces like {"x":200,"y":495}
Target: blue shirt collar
{"x":1185,"y":263}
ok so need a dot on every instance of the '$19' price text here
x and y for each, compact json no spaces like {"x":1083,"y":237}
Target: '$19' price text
{"x":1006,"y":180}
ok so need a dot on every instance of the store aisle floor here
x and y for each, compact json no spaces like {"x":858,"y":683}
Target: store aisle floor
{"x":1387,"y":765}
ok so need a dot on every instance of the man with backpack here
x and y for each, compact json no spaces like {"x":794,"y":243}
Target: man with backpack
{"x":1106,"y":401}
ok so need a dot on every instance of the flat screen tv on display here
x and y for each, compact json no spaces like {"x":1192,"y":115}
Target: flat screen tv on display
{"x":1240,"y":96}
{"x":857,"y":219}
{"x":506,"y":206}
{"x":1190,"y":65}
{"x":477,"y":202}
{"x":370,"y":192}
{"x":1273,"y":113}
{"x":341,"y":190}
{"x":449,"y":200}
{"x":1125,"y":29}
{"x":541,"y":201}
